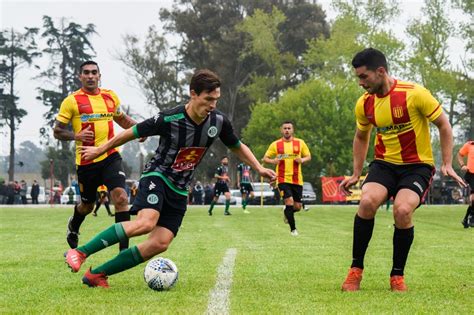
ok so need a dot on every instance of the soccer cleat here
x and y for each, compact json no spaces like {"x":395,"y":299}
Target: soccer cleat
{"x":209,"y":212}
{"x":353,"y":279}
{"x":397,"y":284}
{"x":94,"y":214}
{"x":246,"y":211}
{"x":95,"y":280}
{"x":227,"y":213}
{"x":294,"y":232}
{"x":464,"y":223}
{"x":72,"y":237}
{"x":75,"y":259}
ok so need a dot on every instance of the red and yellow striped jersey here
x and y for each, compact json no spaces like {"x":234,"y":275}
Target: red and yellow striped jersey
{"x":94,"y":110}
{"x":286,"y":152}
{"x":401,"y":118}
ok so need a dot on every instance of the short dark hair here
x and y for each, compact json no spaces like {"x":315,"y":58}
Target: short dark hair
{"x":204,"y":80}
{"x":287,"y":122}
{"x":371,"y":58}
{"x":88,"y":62}
{"x":224,"y":157}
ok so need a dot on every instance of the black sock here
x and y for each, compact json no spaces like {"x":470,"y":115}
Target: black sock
{"x":77,"y":220}
{"x":121,"y":217}
{"x":290,"y":216}
{"x":469,"y":211}
{"x":362,"y":234}
{"x":402,"y":239}
{"x":107,"y":207}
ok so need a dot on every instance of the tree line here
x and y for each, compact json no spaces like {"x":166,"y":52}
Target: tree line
{"x":278,"y":60}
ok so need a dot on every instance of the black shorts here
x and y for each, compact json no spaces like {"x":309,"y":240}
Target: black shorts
{"x":291,"y":190}
{"x":220,"y":188}
{"x":469,"y":177}
{"x":108,"y":172}
{"x":246,"y":188}
{"x":154,"y":193}
{"x":416,"y":177}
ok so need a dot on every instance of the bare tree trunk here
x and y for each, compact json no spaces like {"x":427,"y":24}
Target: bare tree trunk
{"x":11,"y":167}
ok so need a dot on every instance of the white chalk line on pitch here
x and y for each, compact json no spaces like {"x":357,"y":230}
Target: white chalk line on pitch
{"x":219,"y":298}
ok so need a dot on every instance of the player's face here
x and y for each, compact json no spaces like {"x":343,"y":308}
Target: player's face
{"x":205,"y":103}
{"x":287,"y":131}
{"x":225,"y":161}
{"x":372,"y":81}
{"x":90,"y":77}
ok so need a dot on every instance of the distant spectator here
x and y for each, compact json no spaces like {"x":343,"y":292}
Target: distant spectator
{"x":3,"y":193}
{"x":34,"y":192}
{"x":23,"y":190}
{"x":16,"y":189}
{"x":11,"y":193}
{"x":208,"y":194}
{"x":197,"y":193}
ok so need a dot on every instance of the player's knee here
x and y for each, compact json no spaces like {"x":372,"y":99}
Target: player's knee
{"x":159,"y":247}
{"x":402,"y":214}
{"x":368,"y":204}
{"x":85,"y":208}
{"x":121,"y":200}
{"x":297,"y":207}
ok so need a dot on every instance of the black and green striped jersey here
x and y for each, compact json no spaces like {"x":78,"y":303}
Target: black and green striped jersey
{"x":182,"y":143}
{"x":222,"y":170}
{"x":244,"y":172}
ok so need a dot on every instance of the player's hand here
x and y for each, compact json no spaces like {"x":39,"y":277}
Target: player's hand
{"x":346,"y":183}
{"x":85,"y":135}
{"x":89,"y":153}
{"x":298,"y":160}
{"x":268,"y":173}
{"x":447,"y":170}
{"x":464,"y":168}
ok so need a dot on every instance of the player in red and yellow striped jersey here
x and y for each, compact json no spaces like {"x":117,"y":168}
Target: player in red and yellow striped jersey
{"x":288,"y":153}
{"x":403,"y":165}
{"x":92,"y":112}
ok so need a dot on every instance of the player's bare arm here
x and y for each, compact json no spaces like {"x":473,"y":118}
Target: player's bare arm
{"x":461,"y":162}
{"x":245,"y":155}
{"x":302,"y":160}
{"x":61,"y":132}
{"x":125,"y":121}
{"x":360,"y":147}
{"x":446,"y":138}
{"x":90,"y":153}
{"x":270,"y":160}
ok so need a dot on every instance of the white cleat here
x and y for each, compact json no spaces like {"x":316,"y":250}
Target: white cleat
{"x":294,"y":233}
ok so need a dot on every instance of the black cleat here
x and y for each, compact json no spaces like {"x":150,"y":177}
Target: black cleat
{"x":227,"y":213}
{"x":465,"y":224}
{"x":71,"y":236}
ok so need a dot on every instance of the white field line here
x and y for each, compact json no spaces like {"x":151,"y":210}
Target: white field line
{"x":219,"y":298}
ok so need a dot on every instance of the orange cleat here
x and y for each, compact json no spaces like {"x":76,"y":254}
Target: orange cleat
{"x":353,"y":279}
{"x":95,"y":280}
{"x":397,"y":284}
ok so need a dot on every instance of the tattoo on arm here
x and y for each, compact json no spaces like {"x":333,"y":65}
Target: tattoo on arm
{"x":62,"y":132}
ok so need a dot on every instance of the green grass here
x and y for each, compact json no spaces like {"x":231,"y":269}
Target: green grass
{"x":274,"y":273}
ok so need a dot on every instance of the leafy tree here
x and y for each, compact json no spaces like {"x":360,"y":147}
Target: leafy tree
{"x":16,"y":50}
{"x":63,"y":165}
{"x":68,"y":47}
{"x":156,"y":76}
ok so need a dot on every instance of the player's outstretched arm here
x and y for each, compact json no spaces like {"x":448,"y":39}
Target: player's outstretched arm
{"x":446,"y":139}
{"x":245,"y":155}
{"x":90,"y":153}
{"x":360,"y":146}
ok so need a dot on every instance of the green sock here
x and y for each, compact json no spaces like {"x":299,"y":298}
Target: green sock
{"x":212,"y":205}
{"x":227,"y":205}
{"x":127,"y":259}
{"x":244,"y":203}
{"x":107,"y":237}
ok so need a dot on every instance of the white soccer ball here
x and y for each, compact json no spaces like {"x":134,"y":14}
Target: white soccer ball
{"x":160,"y":274}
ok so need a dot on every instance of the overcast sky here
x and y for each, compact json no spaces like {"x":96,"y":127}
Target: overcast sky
{"x":112,"y":19}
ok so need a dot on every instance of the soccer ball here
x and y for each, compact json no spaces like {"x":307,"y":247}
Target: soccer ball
{"x":160,"y":274}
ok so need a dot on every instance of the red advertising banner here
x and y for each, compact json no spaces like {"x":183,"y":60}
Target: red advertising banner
{"x":330,"y":188}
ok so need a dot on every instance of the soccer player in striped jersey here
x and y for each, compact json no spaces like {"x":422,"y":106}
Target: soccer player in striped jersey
{"x":403,"y":166}
{"x":221,"y":187}
{"x":92,"y":111}
{"x":288,"y":154}
{"x":244,"y":180}
{"x":186,"y":132}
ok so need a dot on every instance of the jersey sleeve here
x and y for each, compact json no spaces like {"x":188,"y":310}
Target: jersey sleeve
{"x":151,"y":127}
{"x":66,"y":111}
{"x":228,"y":136}
{"x":362,"y":122}
{"x":304,"y":149}
{"x":427,"y":104}
{"x":118,"y":107}
{"x":271,"y":151}
{"x":464,"y":150}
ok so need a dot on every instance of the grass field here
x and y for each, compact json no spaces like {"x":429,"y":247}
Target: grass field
{"x":274,"y":272}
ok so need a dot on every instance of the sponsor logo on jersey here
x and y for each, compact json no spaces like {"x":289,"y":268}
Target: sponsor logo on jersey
{"x":212,"y":131}
{"x":151,"y":186}
{"x":174,"y":117}
{"x":188,"y":158}
{"x":96,"y":117}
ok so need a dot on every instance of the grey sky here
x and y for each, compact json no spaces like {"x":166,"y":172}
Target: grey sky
{"x":112,"y":19}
